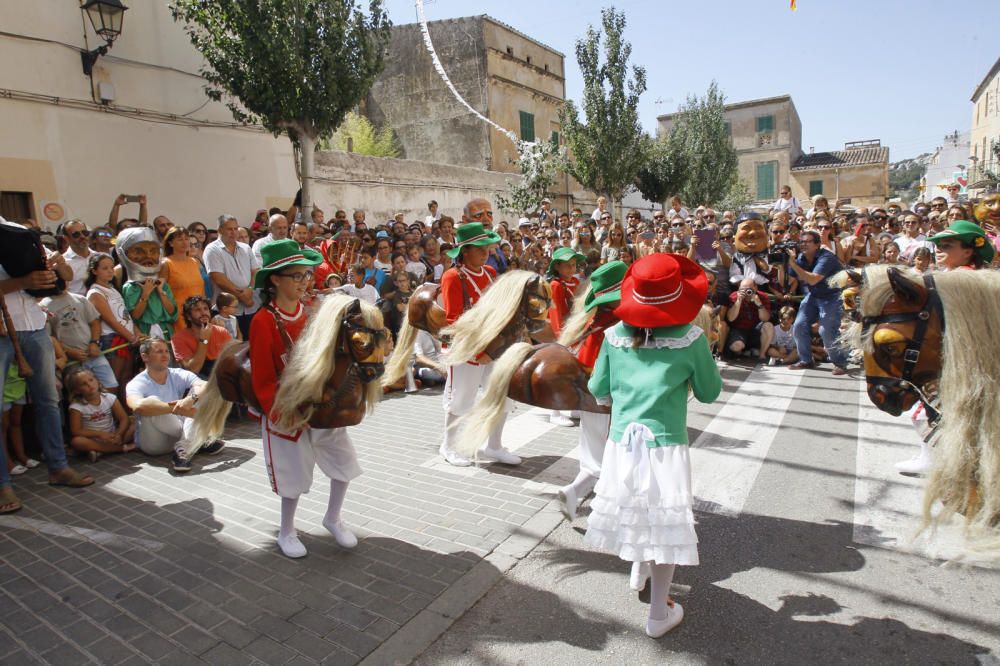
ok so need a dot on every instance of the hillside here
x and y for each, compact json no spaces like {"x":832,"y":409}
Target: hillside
{"x":905,"y":175}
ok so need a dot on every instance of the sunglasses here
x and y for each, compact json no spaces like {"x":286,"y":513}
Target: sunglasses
{"x":778,"y":231}
{"x":709,"y":217}
{"x":677,"y":225}
{"x":103,"y":234}
{"x":824,"y":226}
{"x":80,"y":234}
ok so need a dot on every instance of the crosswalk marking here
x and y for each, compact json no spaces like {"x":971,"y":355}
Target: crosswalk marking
{"x":728,"y":455}
{"x":888,"y":505}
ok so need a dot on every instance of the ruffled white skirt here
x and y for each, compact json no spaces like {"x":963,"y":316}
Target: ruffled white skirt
{"x":642,"y":511}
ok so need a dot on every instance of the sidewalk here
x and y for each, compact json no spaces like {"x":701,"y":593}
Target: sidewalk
{"x":147,"y":566}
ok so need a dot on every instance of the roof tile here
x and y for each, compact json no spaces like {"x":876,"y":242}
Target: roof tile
{"x":842,"y":158}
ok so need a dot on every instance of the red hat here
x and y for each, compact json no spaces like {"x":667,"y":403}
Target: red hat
{"x":662,"y":290}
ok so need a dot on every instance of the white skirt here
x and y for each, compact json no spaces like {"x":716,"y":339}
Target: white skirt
{"x":642,"y":510}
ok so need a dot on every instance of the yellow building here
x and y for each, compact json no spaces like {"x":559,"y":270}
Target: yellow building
{"x":140,"y":123}
{"x":857,"y":175}
{"x":984,"y":167}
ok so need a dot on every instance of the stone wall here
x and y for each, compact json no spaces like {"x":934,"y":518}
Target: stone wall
{"x":383,"y":187}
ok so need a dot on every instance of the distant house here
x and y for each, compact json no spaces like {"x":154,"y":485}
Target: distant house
{"x":858,"y":174}
{"x":985,"y":133}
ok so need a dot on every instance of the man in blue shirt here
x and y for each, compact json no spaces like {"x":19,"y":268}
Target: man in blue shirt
{"x":822,"y":303}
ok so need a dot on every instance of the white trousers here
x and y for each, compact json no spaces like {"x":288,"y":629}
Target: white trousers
{"x":462,"y":386}
{"x":158,"y":435}
{"x":593,"y":436}
{"x":290,"y":462}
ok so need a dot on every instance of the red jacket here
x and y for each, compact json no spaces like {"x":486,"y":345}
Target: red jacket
{"x":267,"y":351}
{"x":591,"y":346}
{"x":475,"y":285}
{"x":563,"y":293}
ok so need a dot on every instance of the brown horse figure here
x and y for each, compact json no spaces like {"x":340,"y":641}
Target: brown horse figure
{"x":543,"y":375}
{"x":927,"y":335}
{"x":329,"y":381}
{"x":513,"y":309}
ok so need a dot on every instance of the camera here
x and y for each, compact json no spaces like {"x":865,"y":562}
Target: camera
{"x":778,"y":254}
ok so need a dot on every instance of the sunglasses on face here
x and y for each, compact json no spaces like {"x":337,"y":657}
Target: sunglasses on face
{"x":824,"y":226}
{"x":103,"y":234}
{"x":80,"y":234}
{"x":778,"y":231}
{"x":677,"y":225}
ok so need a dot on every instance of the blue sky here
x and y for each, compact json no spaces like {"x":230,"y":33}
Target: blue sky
{"x":902,"y":71}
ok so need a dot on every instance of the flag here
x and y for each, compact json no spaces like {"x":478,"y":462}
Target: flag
{"x":793,"y":5}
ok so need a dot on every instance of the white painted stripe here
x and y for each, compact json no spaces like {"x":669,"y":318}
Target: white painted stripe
{"x":888,"y":505}
{"x":109,"y":539}
{"x":729,"y":454}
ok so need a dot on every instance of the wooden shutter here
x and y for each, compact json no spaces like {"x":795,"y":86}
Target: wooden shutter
{"x":527,"y":126}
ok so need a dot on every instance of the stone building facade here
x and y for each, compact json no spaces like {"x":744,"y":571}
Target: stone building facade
{"x":985,"y":134}
{"x":857,"y":175}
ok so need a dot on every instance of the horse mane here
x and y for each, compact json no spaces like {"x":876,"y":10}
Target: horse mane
{"x":966,"y":468}
{"x":313,"y":361}
{"x":578,"y":320}
{"x":484,"y":321}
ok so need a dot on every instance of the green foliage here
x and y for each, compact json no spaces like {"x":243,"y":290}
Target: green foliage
{"x":664,"y":171}
{"x":358,"y":134}
{"x":709,"y":157}
{"x":539,"y":164}
{"x":606,"y":148}
{"x":295,"y":66}
{"x":738,"y":198}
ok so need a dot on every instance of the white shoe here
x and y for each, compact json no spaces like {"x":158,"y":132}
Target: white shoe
{"x":500,"y":455}
{"x":344,"y":536}
{"x":560,"y":420}
{"x":291,"y":546}
{"x":640,"y":576}
{"x":32,"y":463}
{"x":18,"y":470}
{"x":453,"y":457}
{"x":656,"y":628}
{"x":918,"y":466}
{"x":568,"y":502}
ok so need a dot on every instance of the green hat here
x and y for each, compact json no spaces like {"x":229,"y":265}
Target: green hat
{"x":472,"y":233}
{"x":565,"y":254}
{"x":970,"y":233}
{"x":605,"y":285}
{"x":282,"y":254}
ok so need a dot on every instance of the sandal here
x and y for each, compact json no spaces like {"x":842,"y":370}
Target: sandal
{"x":18,"y":470}
{"x":8,"y":500}
{"x":70,"y":478}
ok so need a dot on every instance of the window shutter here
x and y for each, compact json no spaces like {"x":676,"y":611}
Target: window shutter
{"x":765,"y":123}
{"x":815,"y":187}
{"x":527,"y":126}
{"x":555,"y":138}
{"x":765,"y":180}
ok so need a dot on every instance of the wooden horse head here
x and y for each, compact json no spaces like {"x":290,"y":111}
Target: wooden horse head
{"x":906,"y":343}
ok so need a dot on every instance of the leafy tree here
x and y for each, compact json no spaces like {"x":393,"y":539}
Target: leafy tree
{"x":358,"y":135}
{"x":738,"y":198}
{"x":664,"y":171}
{"x":295,"y":66}
{"x":709,"y":157}
{"x":606,"y":148}
{"x":539,"y":164}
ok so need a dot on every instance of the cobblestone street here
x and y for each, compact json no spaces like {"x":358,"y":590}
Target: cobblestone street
{"x":150,"y":566}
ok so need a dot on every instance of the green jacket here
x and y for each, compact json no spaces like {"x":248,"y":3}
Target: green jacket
{"x":648,"y":384}
{"x":154,"y":313}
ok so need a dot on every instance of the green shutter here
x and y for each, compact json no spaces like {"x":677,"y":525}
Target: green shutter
{"x":527,"y":126}
{"x":765,"y":123}
{"x":729,"y":129}
{"x":555,"y":138}
{"x":765,"y":180}
{"x":815,"y":187}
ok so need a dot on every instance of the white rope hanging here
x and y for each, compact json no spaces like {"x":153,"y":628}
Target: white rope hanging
{"x":522,"y":146}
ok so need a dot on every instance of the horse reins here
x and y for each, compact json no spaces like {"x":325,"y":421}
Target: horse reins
{"x":911,"y":356}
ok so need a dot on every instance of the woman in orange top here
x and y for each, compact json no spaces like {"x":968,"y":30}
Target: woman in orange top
{"x":180,"y":270}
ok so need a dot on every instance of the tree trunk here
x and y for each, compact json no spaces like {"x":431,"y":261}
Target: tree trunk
{"x":308,"y":147}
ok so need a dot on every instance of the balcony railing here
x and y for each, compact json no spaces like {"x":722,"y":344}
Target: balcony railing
{"x":985,"y":174}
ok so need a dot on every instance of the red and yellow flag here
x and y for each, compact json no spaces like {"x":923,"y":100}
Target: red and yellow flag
{"x":793,"y":5}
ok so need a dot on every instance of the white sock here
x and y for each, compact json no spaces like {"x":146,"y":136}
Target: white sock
{"x":660,"y":577}
{"x":288,"y":505}
{"x":583,"y":484}
{"x":450,"y":431}
{"x":338,"y":491}
{"x":496,"y":436}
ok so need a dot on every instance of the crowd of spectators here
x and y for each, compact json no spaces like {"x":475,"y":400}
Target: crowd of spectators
{"x":195,"y":294}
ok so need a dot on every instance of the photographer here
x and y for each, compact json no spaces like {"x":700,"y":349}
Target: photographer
{"x":822,"y":302}
{"x":749,"y":318}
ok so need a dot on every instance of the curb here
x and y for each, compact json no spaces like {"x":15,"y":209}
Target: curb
{"x":414,"y":637}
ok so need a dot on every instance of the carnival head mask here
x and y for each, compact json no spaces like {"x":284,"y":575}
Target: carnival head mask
{"x":139,"y":251}
{"x":751,"y":234}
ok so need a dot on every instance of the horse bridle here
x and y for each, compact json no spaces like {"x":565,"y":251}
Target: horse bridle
{"x":911,"y":356}
{"x":366,"y":371}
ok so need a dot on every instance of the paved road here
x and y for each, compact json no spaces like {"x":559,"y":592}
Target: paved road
{"x":804,"y":532}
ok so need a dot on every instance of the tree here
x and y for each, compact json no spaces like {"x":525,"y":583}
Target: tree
{"x":358,"y":135}
{"x":295,"y":66}
{"x":663,"y":173}
{"x":607,"y":149}
{"x":738,"y":198}
{"x":539,"y":163}
{"x":710,"y":159}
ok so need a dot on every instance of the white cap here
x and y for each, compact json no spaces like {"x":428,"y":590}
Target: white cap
{"x":524,"y":222}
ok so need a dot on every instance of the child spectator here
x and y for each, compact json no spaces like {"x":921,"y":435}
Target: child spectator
{"x":358,"y":288}
{"x":782,"y":350}
{"x":117,"y":327}
{"x":149,"y":299}
{"x":14,"y":399}
{"x":97,"y":421}
{"x":76,"y":324}
{"x":414,"y":264}
{"x":227,"y":303}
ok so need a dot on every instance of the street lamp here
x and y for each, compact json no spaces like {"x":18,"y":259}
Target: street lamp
{"x":106,"y":18}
